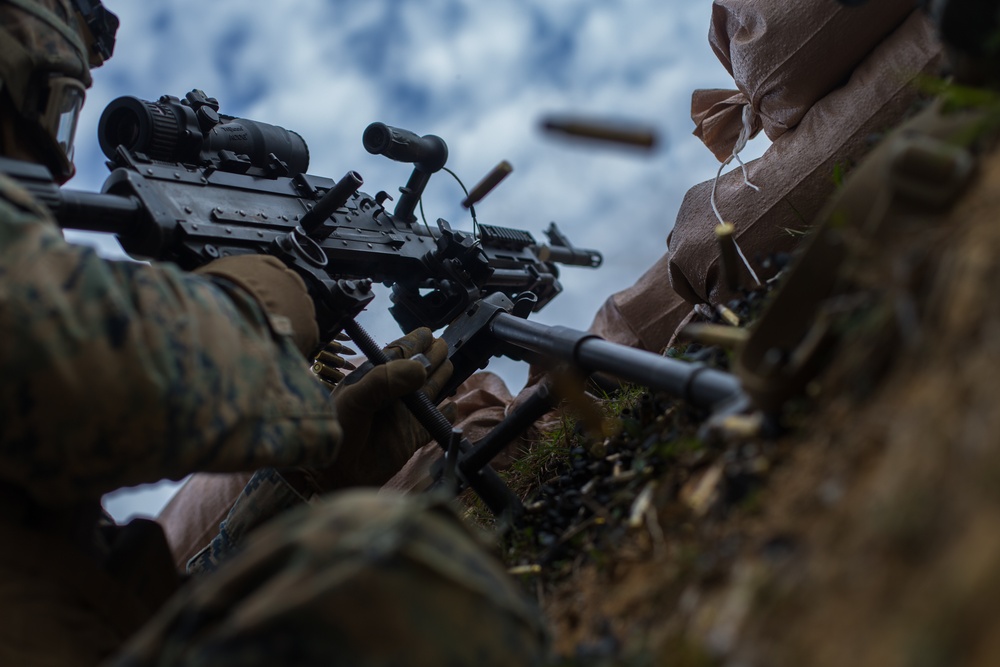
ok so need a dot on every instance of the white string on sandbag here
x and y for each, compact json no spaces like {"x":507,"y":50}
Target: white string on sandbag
{"x":741,"y":143}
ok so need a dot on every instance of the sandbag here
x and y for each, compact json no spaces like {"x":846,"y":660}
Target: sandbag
{"x":796,"y":173}
{"x":641,"y":315}
{"x":796,"y":177}
{"x":784,"y":56}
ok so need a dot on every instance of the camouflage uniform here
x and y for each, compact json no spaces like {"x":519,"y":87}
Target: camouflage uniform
{"x":362,"y":579}
{"x":115,"y":374}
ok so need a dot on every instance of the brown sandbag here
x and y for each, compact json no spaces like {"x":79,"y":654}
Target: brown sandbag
{"x":796,"y":172}
{"x":784,"y":56}
{"x":796,"y":177}
{"x":640,"y":315}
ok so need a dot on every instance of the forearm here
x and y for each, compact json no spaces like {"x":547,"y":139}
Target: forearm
{"x":117,"y":373}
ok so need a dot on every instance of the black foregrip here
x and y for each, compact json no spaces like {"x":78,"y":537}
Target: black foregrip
{"x":429,"y":152}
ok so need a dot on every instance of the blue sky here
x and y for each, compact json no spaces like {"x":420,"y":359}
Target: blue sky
{"x":481,"y":76}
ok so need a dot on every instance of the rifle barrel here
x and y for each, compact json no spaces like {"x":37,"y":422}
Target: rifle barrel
{"x":696,"y":383}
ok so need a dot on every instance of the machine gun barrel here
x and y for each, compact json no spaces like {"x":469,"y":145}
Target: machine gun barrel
{"x":572,"y":256}
{"x":694,"y":382}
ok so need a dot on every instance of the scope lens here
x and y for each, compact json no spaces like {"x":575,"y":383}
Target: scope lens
{"x":123,"y":128}
{"x":151,"y":128}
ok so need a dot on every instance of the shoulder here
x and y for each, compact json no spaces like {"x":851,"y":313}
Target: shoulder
{"x":16,"y":199}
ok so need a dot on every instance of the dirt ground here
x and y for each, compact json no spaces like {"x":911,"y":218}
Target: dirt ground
{"x":867,"y":534}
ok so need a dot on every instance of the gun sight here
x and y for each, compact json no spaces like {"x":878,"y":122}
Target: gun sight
{"x":192,"y":131}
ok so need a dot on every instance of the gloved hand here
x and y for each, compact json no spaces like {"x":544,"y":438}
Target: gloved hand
{"x":380,"y":434}
{"x":279,"y":290}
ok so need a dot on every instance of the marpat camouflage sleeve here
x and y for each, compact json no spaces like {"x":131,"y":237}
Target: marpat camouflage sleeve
{"x":361,"y":578}
{"x":119,"y":373}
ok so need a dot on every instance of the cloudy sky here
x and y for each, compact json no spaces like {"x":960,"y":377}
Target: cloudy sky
{"x":478,"y":74}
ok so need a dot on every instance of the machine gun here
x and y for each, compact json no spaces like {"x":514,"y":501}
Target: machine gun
{"x":189,"y":185}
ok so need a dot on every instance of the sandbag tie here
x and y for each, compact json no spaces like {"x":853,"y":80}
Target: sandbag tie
{"x":741,"y":143}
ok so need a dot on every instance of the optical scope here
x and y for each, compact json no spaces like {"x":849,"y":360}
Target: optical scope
{"x":192,"y":131}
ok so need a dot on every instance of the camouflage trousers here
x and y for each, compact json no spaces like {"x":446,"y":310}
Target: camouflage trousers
{"x":360,"y":579}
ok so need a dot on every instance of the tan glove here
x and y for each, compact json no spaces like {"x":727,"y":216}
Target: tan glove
{"x":279,"y":290}
{"x":380,"y":434}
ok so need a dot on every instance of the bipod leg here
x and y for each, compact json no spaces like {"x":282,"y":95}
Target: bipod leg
{"x":485,"y":481}
{"x":449,"y":478}
{"x":514,"y":424}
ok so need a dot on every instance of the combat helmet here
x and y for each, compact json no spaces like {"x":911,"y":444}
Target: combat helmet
{"x":47,"y":48}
